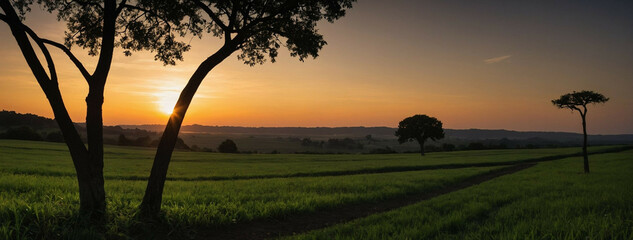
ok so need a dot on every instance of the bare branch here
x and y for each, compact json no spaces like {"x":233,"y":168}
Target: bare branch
{"x":72,"y":57}
{"x":40,"y":44}
{"x":47,"y":55}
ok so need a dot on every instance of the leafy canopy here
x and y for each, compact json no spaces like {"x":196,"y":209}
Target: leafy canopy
{"x":575,"y":100}
{"x":258,"y":28}
{"x":420,"y":128}
{"x":152,"y":25}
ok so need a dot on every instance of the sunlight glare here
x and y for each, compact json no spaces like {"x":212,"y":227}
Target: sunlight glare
{"x":166,"y":101}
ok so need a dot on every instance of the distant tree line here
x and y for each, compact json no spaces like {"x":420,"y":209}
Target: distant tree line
{"x":333,"y":143}
{"x":13,"y":119}
{"x":27,"y":133}
{"x":147,"y":141}
{"x":32,"y":127}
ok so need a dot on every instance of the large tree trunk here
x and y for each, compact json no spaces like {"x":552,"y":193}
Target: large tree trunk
{"x":584,"y":144}
{"x":150,"y":207}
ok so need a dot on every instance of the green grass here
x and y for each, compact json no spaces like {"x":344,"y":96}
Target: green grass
{"x":44,"y":205}
{"x":52,"y":159}
{"x":39,"y":199}
{"x":552,"y":200}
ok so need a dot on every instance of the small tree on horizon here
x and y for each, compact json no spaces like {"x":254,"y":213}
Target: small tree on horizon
{"x":419,"y":128}
{"x":578,"y":101}
{"x":228,"y":146}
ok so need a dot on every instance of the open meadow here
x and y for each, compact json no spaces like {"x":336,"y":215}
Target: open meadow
{"x":207,"y":192}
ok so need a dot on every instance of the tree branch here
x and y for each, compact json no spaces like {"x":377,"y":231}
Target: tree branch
{"x":213,"y":16}
{"x":107,"y":44}
{"x":40,"y":44}
{"x":72,"y":57}
{"x":285,"y":7}
{"x":84,"y":3}
{"x":47,"y":54}
{"x":145,"y":11}
{"x":122,"y":5}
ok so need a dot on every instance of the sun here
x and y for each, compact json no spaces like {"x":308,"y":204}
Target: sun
{"x":166,"y":102}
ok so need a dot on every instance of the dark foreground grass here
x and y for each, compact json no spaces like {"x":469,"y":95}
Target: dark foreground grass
{"x":553,"y":200}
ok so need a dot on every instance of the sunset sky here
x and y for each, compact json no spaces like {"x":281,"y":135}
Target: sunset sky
{"x":471,"y":64}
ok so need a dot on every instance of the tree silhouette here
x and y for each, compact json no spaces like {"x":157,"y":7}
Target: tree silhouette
{"x":419,"y":128}
{"x":99,"y":27}
{"x":228,"y":146}
{"x":256,"y":29}
{"x":578,"y":101}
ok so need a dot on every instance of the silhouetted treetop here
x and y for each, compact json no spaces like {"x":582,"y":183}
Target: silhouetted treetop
{"x":577,"y":99}
{"x":419,"y":128}
{"x":228,"y":146}
{"x":152,"y":25}
{"x":257,"y":27}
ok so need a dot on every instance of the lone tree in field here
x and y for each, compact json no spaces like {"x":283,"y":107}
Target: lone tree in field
{"x":419,"y":128}
{"x":257,"y":29}
{"x":99,"y":27}
{"x":578,"y":101}
{"x":228,"y":146}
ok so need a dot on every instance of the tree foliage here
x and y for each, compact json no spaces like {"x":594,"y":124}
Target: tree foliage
{"x":228,"y":146}
{"x":576,"y":100}
{"x":152,"y":25}
{"x":419,"y":128}
{"x":258,"y":28}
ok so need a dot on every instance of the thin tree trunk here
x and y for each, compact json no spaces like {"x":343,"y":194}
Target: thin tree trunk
{"x":150,"y":207}
{"x":421,"y":147}
{"x":94,"y":183}
{"x":584,"y":145}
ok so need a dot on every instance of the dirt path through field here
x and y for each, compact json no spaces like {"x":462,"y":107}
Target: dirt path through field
{"x":270,"y":228}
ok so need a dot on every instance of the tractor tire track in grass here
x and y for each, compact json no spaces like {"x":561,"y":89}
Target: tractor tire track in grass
{"x":388,"y":169}
{"x":270,"y":228}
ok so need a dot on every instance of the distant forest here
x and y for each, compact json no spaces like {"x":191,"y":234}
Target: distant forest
{"x":299,"y":139}
{"x":37,"y":128}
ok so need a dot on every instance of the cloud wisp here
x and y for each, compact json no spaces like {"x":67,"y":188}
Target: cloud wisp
{"x":497,"y":59}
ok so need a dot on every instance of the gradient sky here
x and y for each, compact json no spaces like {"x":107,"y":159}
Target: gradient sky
{"x":471,"y":64}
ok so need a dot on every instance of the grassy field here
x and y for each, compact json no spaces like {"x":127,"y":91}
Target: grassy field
{"x":552,"y":200}
{"x":38,"y":189}
{"x":52,"y":159}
